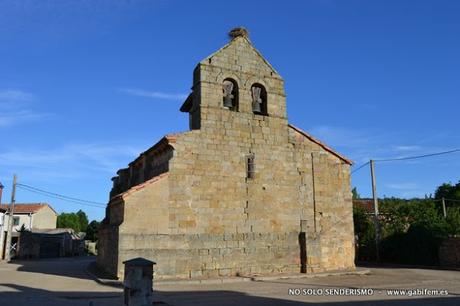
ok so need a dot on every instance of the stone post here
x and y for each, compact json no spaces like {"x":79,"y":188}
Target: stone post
{"x":138,"y":283}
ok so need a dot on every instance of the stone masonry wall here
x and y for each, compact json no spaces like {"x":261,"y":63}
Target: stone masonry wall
{"x":449,"y":252}
{"x":107,"y":255}
{"x":208,"y":219}
{"x":211,"y":255}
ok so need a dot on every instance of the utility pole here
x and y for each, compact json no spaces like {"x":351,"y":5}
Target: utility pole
{"x":376,"y":212}
{"x":444,"y":207}
{"x":10,"y":221}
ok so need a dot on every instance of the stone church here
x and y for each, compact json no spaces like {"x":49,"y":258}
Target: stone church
{"x":242,"y":193}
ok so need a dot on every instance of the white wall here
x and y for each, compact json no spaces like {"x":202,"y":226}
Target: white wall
{"x":23,"y":219}
{"x":2,"y":230}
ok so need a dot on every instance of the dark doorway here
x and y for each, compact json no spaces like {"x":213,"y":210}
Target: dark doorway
{"x":303,"y":252}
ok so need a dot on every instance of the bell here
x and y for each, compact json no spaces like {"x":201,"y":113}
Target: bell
{"x":228,"y":101}
{"x":256,"y":107}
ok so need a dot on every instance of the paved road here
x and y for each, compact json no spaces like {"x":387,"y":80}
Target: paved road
{"x":53,"y":282}
{"x":64,"y":282}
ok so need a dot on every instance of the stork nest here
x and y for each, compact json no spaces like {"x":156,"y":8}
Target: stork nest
{"x":236,"y":32}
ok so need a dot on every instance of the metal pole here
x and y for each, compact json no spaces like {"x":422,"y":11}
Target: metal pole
{"x":444,"y":207}
{"x":376,"y":212}
{"x":10,"y":221}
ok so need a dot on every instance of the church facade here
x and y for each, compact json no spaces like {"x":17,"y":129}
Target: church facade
{"x":242,"y":193}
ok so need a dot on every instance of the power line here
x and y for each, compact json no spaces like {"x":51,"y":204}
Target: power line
{"x":408,"y":157}
{"x":417,"y":156}
{"x":60,"y":196}
{"x":360,"y":167}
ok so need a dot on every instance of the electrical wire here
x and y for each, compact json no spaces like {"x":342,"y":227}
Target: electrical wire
{"x":359,"y":167}
{"x":60,"y":196}
{"x":407,"y":158}
{"x":417,"y":156}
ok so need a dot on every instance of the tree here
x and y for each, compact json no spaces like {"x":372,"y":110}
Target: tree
{"x":23,"y":228}
{"x":83,"y":220}
{"x":77,"y":221}
{"x":92,"y":230}
{"x":355,"y":194}
{"x":453,"y":220}
{"x":69,"y":220}
{"x":411,"y":230}
{"x":364,"y":230}
{"x":448,"y":191}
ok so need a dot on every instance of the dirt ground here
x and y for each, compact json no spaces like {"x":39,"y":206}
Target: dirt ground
{"x":65,"y":282}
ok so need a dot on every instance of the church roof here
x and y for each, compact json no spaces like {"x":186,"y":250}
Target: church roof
{"x":138,"y":187}
{"x":321,"y":144}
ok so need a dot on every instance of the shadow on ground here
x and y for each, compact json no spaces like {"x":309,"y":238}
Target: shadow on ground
{"x":21,"y":296}
{"x":66,"y":266}
{"x":26,"y":296}
{"x":368,"y":264}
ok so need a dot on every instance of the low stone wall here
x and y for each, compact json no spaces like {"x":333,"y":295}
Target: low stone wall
{"x":107,"y":256}
{"x":449,"y":252}
{"x":206,"y":255}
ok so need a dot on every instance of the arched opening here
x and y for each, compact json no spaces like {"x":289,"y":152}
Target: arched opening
{"x":230,"y":94}
{"x":259,"y":99}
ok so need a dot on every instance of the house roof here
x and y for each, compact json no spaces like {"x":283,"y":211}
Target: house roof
{"x":365,"y":204}
{"x":56,"y":231}
{"x":27,"y":208}
{"x":322,"y":145}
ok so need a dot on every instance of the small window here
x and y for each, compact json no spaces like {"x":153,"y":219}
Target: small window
{"x":259,"y":99}
{"x":230,"y":94}
{"x":250,"y":167}
{"x":15,"y":221}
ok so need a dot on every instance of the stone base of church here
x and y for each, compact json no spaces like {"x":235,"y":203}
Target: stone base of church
{"x":211,"y":255}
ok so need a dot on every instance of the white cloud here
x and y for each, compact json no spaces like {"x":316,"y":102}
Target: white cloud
{"x":10,"y":118}
{"x":11,"y":99}
{"x":153,"y":94}
{"x":361,"y":145}
{"x":403,"y":186}
{"x":15,"y":95}
{"x":406,"y":148}
{"x":15,"y":108}
{"x":68,"y":161}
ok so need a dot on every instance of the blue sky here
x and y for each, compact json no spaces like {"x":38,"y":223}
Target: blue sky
{"x":85,"y":86}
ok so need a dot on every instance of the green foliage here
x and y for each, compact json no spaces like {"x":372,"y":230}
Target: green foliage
{"x":365,"y":232}
{"x":411,"y":230}
{"x":453,"y":220}
{"x":92,"y":230}
{"x":83,"y":220}
{"x":23,"y":228}
{"x":448,"y":191}
{"x":355,"y":194}
{"x":69,"y":220}
{"x":77,"y":221}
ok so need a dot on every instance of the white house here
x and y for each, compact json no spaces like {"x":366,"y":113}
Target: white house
{"x":29,"y":216}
